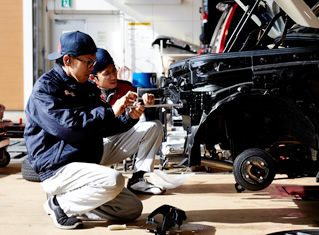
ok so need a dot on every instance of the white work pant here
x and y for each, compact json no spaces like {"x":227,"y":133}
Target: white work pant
{"x":144,"y":139}
{"x":84,"y":187}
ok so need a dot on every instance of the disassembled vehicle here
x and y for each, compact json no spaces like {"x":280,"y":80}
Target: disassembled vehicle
{"x":258,"y":100}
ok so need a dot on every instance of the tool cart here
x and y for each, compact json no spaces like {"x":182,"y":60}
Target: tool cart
{"x":8,"y":129}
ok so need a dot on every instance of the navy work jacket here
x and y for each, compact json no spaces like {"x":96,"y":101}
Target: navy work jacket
{"x":66,"y":122}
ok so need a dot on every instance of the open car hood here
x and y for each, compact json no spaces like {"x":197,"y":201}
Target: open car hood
{"x":299,"y":11}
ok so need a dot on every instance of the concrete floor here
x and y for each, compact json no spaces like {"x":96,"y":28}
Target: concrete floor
{"x":210,"y":201}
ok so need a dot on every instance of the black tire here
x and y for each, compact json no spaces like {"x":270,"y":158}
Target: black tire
{"x":4,"y":158}
{"x":254,"y":169}
{"x":28,"y":173}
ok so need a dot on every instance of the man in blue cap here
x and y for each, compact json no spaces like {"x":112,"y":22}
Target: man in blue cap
{"x":143,"y":139}
{"x":66,"y":123}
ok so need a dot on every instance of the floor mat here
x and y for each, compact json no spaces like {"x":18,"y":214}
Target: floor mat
{"x":297,"y":232}
{"x":305,"y":193}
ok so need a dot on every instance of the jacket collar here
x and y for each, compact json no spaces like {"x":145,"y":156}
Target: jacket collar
{"x":70,"y":81}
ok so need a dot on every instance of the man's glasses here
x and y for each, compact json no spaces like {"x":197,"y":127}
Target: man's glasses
{"x":88,"y":63}
{"x":114,"y":71}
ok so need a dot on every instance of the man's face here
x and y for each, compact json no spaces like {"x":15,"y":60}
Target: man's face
{"x":80,"y":67}
{"x":107,"y":78}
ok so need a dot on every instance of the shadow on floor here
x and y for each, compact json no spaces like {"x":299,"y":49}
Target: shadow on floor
{"x":185,"y":229}
{"x":12,"y":168}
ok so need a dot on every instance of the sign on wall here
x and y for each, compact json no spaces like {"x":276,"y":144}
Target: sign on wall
{"x":66,"y":3}
{"x":140,"y":38}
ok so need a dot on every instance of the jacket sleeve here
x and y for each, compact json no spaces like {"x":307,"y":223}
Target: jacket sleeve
{"x":73,"y":124}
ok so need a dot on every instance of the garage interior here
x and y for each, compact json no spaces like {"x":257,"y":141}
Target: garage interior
{"x":210,"y":201}
{"x":168,"y":38}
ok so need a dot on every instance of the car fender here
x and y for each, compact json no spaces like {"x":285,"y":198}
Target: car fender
{"x":265,"y":115}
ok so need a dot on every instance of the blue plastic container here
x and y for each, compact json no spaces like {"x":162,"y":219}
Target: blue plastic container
{"x":144,"y":80}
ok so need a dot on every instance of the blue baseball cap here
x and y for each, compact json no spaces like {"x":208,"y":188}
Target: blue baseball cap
{"x":74,"y":43}
{"x":103,"y":60}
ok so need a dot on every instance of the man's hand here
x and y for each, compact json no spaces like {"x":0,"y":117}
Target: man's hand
{"x":136,"y":112}
{"x":148,"y":99}
{"x":121,"y":104}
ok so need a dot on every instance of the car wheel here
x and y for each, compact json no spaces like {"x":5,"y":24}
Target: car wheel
{"x":28,"y":173}
{"x":254,"y":169}
{"x":4,"y":158}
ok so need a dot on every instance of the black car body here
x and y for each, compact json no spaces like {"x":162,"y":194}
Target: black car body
{"x":259,"y":102}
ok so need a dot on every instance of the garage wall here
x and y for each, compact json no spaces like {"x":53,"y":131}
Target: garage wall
{"x":11,"y":55}
{"x":127,"y":29}
{"x":180,"y":20}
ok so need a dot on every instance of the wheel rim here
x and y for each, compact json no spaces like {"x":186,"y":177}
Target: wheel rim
{"x":255,"y":170}
{"x":4,"y":159}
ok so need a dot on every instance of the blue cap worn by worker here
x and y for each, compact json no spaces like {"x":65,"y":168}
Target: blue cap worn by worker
{"x":74,"y":44}
{"x":103,"y":60}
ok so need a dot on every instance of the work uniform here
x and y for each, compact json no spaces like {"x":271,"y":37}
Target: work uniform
{"x":66,"y":123}
{"x":143,"y":139}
